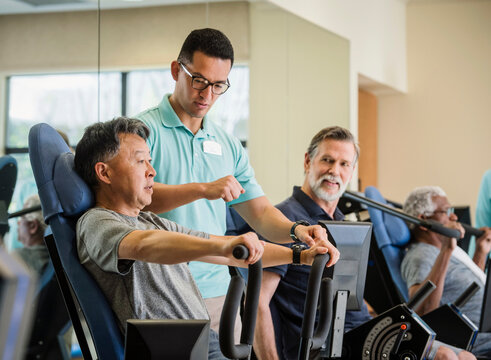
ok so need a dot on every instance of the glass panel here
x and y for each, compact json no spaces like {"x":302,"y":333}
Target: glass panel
{"x":231,"y":111}
{"x":67,"y":102}
{"x":24,"y":187}
{"x":146,"y":88}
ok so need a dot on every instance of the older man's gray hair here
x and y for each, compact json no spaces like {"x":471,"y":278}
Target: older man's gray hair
{"x":420,"y":201}
{"x":33,"y":201}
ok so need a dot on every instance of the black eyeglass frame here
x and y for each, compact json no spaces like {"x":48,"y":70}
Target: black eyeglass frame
{"x":205,"y":80}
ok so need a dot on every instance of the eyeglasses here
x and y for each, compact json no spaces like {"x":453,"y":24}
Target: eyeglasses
{"x":200,"y":83}
{"x":449,"y":211}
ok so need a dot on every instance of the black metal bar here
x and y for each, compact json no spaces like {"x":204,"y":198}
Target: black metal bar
{"x":25,"y":211}
{"x":421,"y":294}
{"x":466,"y":295}
{"x":231,"y":305}
{"x":428,"y":224}
{"x":472,"y":230}
{"x":310,"y":308}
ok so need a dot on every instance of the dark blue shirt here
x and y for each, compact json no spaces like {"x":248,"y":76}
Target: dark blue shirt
{"x":287,"y":304}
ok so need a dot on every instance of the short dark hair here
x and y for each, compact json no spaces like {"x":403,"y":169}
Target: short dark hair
{"x":100,"y":142}
{"x":211,"y":42}
{"x":332,"y":133}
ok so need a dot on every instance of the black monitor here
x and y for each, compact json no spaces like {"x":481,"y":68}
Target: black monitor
{"x":17,"y":291}
{"x":464,"y":215}
{"x":167,"y":339}
{"x":352,"y":239}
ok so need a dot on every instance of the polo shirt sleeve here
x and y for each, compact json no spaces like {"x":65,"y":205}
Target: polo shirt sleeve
{"x":280,"y":269}
{"x":244,"y":173}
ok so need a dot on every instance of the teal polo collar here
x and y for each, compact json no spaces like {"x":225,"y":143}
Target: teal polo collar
{"x":170,"y":119}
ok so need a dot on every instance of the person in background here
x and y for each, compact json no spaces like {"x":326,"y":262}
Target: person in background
{"x":139,"y":259}
{"x":30,"y":232}
{"x":329,"y":164}
{"x":201,"y":169}
{"x":435,"y":257}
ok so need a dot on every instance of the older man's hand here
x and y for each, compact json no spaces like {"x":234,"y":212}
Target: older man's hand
{"x":251,"y":241}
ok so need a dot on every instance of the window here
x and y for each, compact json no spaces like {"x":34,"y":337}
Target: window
{"x":68,"y":102}
{"x":231,"y":111}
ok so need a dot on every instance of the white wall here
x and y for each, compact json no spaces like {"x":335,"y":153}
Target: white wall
{"x":299,"y":85}
{"x":439,"y":132}
{"x":376,"y":31}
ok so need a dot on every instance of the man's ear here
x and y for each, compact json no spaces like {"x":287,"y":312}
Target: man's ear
{"x":422,"y":217}
{"x":33,"y":227}
{"x":174,"y":69}
{"x":306,"y":162}
{"x":101,"y":172}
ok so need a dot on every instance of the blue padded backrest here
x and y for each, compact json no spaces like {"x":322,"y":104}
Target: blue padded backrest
{"x":64,"y":197}
{"x":392,"y":236}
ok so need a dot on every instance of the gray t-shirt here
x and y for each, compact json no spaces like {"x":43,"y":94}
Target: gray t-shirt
{"x":136,"y":289}
{"x":36,"y":257}
{"x":417,"y":264}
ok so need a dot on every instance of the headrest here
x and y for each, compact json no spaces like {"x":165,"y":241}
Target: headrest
{"x":74,"y":193}
{"x":394,"y":230}
{"x":61,"y":190}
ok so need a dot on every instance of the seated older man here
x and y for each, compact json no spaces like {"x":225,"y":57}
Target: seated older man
{"x":435,"y":257}
{"x":30,"y":232}
{"x":139,"y":259}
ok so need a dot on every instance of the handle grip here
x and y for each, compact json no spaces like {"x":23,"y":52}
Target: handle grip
{"x":240,"y":252}
{"x":313,"y":289}
{"x":443,"y":230}
{"x":421,"y":294}
{"x":466,"y":295}
{"x":231,"y":306}
{"x":472,"y":230}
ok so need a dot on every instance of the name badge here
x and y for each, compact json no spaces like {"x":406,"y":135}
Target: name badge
{"x":212,"y":147}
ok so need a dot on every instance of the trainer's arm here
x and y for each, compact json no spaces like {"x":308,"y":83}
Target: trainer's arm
{"x":168,"y":197}
{"x":264,"y":336}
{"x":270,"y":222}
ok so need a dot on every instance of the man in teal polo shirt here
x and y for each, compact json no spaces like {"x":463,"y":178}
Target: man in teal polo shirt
{"x":201,"y":168}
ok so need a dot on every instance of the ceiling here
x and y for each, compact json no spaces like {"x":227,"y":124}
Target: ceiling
{"x":37,"y":6}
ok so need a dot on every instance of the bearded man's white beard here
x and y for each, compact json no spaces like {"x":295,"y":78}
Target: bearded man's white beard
{"x":316,"y":186}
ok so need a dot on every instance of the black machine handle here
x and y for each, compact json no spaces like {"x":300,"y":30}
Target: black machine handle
{"x":472,"y":230}
{"x":24,"y":211}
{"x":428,"y":224}
{"x":231,"y":306}
{"x":421,"y":294}
{"x":437,"y":227}
{"x":466,"y":295}
{"x":310,"y":340}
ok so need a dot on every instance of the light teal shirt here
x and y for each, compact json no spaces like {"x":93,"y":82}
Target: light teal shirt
{"x":180,"y":157}
{"x":483,"y":207}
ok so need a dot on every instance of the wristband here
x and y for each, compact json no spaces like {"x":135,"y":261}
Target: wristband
{"x":292,"y":230}
{"x":297,"y":250}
